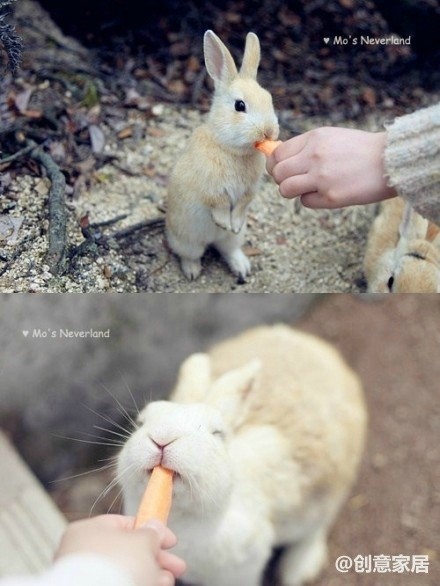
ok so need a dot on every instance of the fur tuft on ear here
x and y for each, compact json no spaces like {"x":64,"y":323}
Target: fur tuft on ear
{"x":251,"y":58}
{"x":193,"y":380}
{"x":230,"y":392}
{"x":218,"y":60}
{"x":412,"y":226}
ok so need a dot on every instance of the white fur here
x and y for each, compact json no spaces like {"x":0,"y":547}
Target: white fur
{"x":264,"y":434}
{"x":216,"y":178}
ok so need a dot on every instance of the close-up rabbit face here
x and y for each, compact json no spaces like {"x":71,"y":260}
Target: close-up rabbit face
{"x":247,"y":109}
{"x":242,"y":111}
{"x":187,"y":439}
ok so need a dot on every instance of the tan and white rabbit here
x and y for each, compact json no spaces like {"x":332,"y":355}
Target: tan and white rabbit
{"x":403,"y":251}
{"x":264,"y":433}
{"x":216,"y":177}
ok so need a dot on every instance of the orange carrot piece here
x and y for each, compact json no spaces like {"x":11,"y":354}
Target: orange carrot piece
{"x":156,"y":502}
{"x":267,"y":146}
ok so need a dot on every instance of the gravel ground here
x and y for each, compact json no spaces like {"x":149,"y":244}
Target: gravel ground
{"x":292,"y":249}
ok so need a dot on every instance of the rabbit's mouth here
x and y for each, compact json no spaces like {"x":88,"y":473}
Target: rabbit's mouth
{"x":176,"y":475}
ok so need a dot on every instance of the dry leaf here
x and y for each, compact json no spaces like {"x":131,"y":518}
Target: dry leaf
{"x":193,"y":63}
{"x":369,"y":96}
{"x":233,"y":17}
{"x":177,"y":86}
{"x":97,"y":138}
{"x":21,"y":100}
{"x":86,"y":165}
{"x":131,"y":97}
{"x":149,"y":170}
{"x":179,"y":49}
{"x":280,"y":240}
{"x":251,"y":251}
{"x":6,"y":227}
{"x":156,"y":132}
{"x":288,"y":18}
{"x":107,"y":271}
{"x":57,"y":151}
{"x":280,"y":55}
{"x":125,"y":132}
{"x":84,"y":221}
{"x":42,"y":187}
{"x":35,"y":114}
{"x":346,"y":3}
{"x":9,"y":227}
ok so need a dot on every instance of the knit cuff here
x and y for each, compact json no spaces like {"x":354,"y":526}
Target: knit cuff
{"x":77,"y":569}
{"x":412,"y":160}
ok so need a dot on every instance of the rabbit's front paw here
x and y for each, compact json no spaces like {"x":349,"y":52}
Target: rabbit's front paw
{"x":191,"y":268}
{"x":303,"y":562}
{"x":222,"y":218}
{"x":237,"y":223}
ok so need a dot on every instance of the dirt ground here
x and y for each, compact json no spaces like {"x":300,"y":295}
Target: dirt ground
{"x":115,"y":119}
{"x":394,"y":508}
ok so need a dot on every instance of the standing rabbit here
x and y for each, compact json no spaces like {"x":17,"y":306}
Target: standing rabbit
{"x":215,"y":179}
{"x":403,"y":251}
{"x":264,"y":434}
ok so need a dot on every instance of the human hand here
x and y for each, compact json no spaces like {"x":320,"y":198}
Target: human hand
{"x":140,"y":552}
{"x":332,"y":167}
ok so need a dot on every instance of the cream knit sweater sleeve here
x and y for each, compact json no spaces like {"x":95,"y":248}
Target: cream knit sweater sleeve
{"x":77,"y":570}
{"x":412,"y":160}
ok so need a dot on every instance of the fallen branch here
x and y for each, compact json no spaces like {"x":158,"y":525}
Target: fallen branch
{"x":110,"y":222}
{"x":17,"y":155}
{"x":151,"y":223}
{"x":56,"y":254}
{"x":93,"y":237}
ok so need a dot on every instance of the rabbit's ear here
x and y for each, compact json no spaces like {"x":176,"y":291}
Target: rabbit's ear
{"x":230,"y":392}
{"x":193,"y":380}
{"x":433,"y":234}
{"x":251,"y":58}
{"x":412,"y":225}
{"x":218,"y":60}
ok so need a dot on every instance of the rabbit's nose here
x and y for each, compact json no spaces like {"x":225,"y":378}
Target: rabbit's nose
{"x":161,"y":444}
{"x":271,"y":134}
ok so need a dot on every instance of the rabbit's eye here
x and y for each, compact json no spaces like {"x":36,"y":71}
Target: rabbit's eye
{"x":218,"y":433}
{"x":390,"y":283}
{"x":240,"y":106}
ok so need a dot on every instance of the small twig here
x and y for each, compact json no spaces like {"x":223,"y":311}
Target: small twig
{"x":163,"y":265}
{"x":151,"y":223}
{"x":56,"y":254}
{"x":16,"y":155}
{"x":109,"y":222}
{"x":62,"y":43}
{"x":124,"y":169}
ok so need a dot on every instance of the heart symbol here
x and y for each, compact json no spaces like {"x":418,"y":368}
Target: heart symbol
{"x":326,"y":40}
{"x":25,"y":333}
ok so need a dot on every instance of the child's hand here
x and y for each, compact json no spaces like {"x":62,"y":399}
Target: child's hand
{"x":332,"y":167}
{"x":140,"y":552}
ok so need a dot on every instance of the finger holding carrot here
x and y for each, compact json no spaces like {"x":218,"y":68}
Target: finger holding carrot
{"x":332,"y":167}
{"x":141,"y":554}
